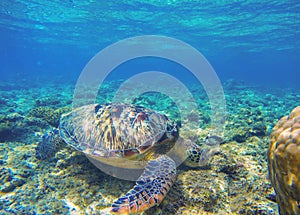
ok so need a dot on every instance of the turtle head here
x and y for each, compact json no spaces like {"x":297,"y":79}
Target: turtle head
{"x":198,"y":156}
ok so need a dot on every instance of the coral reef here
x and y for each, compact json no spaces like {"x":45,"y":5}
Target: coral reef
{"x":284,"y":162}
{"x":68,"y":182}
{"x":17,"y":127}
{"x":47,"y":113}
{"x":16,"y":167}
{"x":233,"y":182}
{"x":24,"y":127}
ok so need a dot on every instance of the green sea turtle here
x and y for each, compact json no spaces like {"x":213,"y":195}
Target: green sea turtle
{"x":110,"y":133}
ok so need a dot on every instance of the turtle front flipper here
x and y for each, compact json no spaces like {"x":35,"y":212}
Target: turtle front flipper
{"x":47,"y":147}
{"x":150,"y":189}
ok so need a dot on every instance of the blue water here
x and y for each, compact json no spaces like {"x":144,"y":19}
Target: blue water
{"x":254,"y":41}
{"x":253,"y":46}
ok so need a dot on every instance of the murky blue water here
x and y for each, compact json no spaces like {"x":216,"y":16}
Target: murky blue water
{"x":253,"y":41}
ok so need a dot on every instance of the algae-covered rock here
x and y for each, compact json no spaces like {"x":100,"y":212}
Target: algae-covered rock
{"x":241,"y":136}
{"x":17,"y":127}
{"x":11,"y":126}
{"x":5,"y":131}
{"x":17,"y":165}
{"x":284,"y":162}
{"x":46,"y":113}
{"x":48,"y":101}
{"x":258,"y":129}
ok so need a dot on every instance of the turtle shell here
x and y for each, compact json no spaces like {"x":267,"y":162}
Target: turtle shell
{"x":114,"y":130}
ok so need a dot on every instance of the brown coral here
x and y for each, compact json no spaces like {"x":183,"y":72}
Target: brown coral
{"x":284,"y":162}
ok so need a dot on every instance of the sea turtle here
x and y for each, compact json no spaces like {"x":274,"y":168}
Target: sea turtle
{"x":108,"y":133}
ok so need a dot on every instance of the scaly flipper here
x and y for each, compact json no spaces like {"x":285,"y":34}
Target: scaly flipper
{"x":47,"y":147}
{"x":150,"y":189}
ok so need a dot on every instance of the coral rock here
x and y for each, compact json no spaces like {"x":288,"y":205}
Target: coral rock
{"x":46,"y":113}
{"x":284,"y":162}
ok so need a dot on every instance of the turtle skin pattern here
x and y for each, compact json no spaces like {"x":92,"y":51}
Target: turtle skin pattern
{"x":150,"y":189}
{"x":284,"y":162}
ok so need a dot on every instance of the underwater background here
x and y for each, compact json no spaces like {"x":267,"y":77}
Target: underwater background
{"x":253,"y":46}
